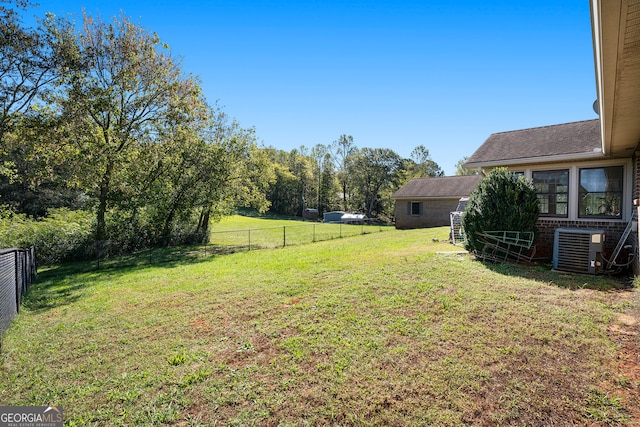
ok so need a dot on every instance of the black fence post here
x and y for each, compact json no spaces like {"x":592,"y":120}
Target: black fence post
{"x":284,"y":236}
{"x":27,"y":268}
{"x":25,"y":278}
{"x":15,"y":258}
{"x":34,"y":265}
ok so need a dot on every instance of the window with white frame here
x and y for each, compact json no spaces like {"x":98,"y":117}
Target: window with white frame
{"x":552,"y":188}
{"x":600,"y":192}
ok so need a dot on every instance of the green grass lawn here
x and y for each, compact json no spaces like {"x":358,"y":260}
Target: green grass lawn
{"x":376,"y":329}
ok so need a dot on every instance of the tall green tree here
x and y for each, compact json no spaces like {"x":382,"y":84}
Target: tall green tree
{"x":283,"y":193}
{"x":344,"y":149}
{"x":419,"y":165}
{"x":30,"y":60}
{"x":301,"y":166}
{"x":126,"y":91}
{"x":41,"y":177}
{"x":422,"y":165}
{"x":328,"y":188}
{"x":26,"y":65}
{"x":207,"y":175}
{"x":33,"y":177}
{"x":374,"y":170}
{"x":318,"y":153}
{"x":115,"y":122}
{"x":294,"y":183}
{"x":240,"y":172}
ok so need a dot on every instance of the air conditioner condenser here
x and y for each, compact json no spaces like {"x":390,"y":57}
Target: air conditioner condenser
{"x":578,"y":250}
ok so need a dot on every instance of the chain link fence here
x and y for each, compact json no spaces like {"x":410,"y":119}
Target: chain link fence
{"x":17,"y":272}
{"x":225,"y":241}
{"x":291,"y":235}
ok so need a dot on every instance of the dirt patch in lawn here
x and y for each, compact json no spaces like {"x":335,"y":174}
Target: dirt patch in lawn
{"x":625,"y":332}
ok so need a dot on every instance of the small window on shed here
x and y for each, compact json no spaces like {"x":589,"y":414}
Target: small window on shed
{"x":416,"y":208}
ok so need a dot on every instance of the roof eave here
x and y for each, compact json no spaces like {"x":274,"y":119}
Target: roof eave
{"x":416,"y":197}
{"x":596,"y":34}
{"x":535,"y":160}
{"x":616,"y":32}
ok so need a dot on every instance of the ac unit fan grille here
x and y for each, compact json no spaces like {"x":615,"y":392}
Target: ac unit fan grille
{"x":573,"y":252}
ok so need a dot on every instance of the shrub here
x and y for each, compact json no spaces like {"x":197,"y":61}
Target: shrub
{"x":502,"y":201}
{"x":66,"y":235}
{"x":62,"y":235}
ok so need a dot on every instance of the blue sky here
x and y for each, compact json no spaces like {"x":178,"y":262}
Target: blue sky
{"x":393,"y":74}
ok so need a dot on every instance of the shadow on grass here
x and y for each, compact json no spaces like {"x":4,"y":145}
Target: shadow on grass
{"x":543,"y":272}
{"x":65,"y":283}
{"x":166,"y":257}
{"x":44,"y":295}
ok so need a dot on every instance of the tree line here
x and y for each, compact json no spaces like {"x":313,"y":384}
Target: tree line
{"x":102,"y":118}
{"x":341,"y":176}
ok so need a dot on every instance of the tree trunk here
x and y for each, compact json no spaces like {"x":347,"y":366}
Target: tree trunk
{"x":166,"y":229}
{"x":103,"y":196}
{"x":203,"y":222}
{"x":344,"y":196}
{"x":177,"y":200}
{"x":370,"y":207}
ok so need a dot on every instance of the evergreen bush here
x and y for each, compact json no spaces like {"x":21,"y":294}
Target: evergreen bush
{"x":502,"y":201}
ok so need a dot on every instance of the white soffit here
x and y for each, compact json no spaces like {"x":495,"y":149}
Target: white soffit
{"x":616,"y":37}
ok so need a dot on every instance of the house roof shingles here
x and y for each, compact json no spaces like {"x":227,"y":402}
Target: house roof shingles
{"x":541,"y":143}
{"x":438,"y":187}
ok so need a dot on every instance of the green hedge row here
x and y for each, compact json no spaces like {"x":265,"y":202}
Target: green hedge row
{"x":62,"y":235}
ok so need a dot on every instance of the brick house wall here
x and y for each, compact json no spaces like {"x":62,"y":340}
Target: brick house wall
{"x":434,"y":213}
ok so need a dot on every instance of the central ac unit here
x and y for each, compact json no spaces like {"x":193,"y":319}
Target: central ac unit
{"x":578,"y":250}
